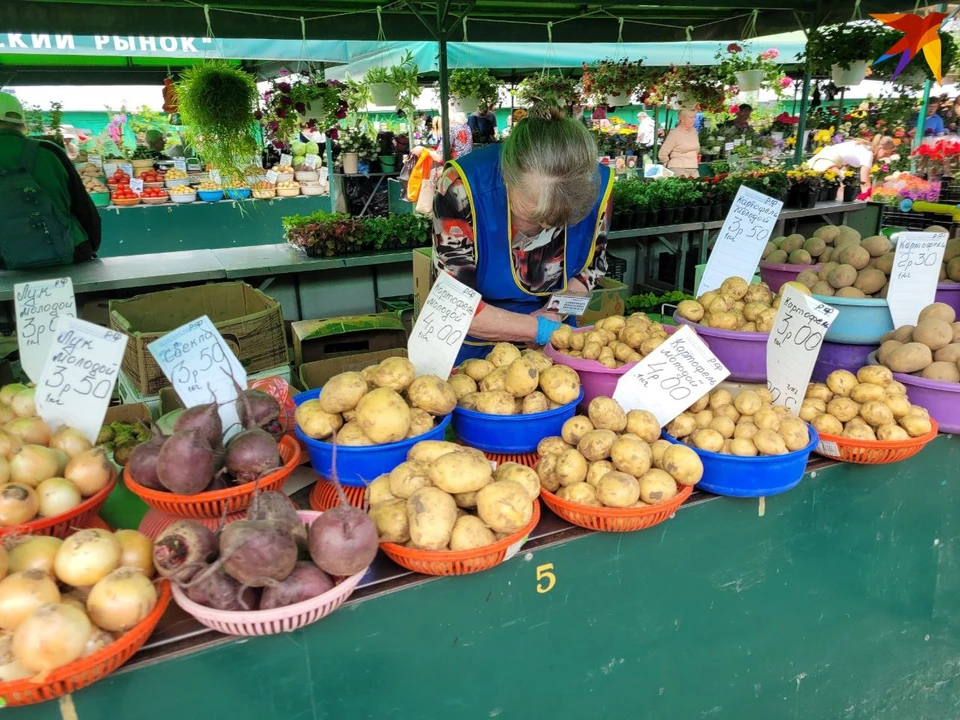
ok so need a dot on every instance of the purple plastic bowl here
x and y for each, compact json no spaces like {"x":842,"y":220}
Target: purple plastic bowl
{"x":941,"y":399}
{"x":837,"y":356}
{"x":744,"y":354}
{"x":776,"y":274}
{"x":596,"y":380}
{"x":949,"y":293}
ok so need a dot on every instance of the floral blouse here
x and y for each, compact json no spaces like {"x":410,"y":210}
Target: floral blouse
{"x":538,"y":260}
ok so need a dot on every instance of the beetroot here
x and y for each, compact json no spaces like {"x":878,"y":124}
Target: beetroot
{"x":257,"y":552}
{"x":186,"y":464}
{"x":305,"y":582}
{"x":273,"y":506}
{"x":142,"y":464}
{"x":221,"y":592}
{"x":251,"y":454}
{"x":206,"y":419}
{"x":183,"y":548}
{"x":264,"y":412}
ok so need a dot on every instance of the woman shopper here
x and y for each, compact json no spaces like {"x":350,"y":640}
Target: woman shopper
{"x":521,"y":221}
{"x":854,"y":154}
{"x":680,"y":151}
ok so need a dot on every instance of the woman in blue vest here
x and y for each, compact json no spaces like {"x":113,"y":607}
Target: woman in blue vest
{"x":521,"y":221}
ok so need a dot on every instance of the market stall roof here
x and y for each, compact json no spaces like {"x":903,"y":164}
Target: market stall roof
{"x":406,"y":20}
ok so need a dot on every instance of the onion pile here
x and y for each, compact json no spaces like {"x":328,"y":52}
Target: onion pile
{"x":194,"y":458}
{"x":66,"y":599}
{"x":43,"y":473}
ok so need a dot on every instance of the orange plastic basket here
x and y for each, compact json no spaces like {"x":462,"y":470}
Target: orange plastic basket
{"x":461,"y":562}
{"x":88,"y":670}
{"x":528,"y":459}
{"x":96,"y":522}
{"x":155,"y":522}
{"x":324,"y":495}
{"x":62,"y":525}
{"x":212,"y":504}
{"x":607,"y":519}
{"x":873,"y":452}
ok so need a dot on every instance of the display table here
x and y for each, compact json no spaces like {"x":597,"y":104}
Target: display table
{"x":835,"y":600}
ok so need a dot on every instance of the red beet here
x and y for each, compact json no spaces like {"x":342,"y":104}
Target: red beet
{"x":273,"y":506}
{"x":221,"y":592}
{"x":206,"y":419}
{"x":142,"y":464}
{"x":263,"y":409}
{"x":305,"y":582}
{"x":255,"y":552}
{"x":183,"y":548}
{"x":251,"y":454}
{"x":186,"y":464}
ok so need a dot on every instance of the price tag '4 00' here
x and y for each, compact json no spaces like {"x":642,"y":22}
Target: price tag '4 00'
{"x":442,"y":326}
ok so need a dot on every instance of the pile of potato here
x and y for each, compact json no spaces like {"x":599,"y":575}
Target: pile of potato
{"x":448,"y":497}
{"x":930,"y":349}
{"x":870,"y":405}
{"x":382,"y":404}
{"x":736,"y":305}
{"x":613,"y":342}
{"x":950,"y":267}
{"x":615,"y":459}
{"x":852,"y":268}
{"x":509,"y":382}
{"x":747,"y":425}
{"x":92,"y":177}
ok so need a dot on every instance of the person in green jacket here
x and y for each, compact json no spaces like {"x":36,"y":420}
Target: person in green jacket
{"x":46,"y":216}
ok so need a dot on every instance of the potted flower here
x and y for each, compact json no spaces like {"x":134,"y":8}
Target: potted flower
{"x":844,"y":51}
{"x":472,"y":89}
{"x":851,"y":185}
{"x":547,"y":87}
{"x":294,"y":99}
{"x":356,"y":145}
{"x":611,"y":82}
{"x":749,"y":71}
{"x":391,"y":86}
{"x":784,"y":124}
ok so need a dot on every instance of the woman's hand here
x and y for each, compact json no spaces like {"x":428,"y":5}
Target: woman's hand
{"x":543,"y":312}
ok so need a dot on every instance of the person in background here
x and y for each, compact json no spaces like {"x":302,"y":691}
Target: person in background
{"x":854,"y":154}
{"x":70,"y":147}
{"x":461,"y":139}
{"x":47,"y":216}
{"x":680,"y":151}
{"x":698,"y":122}
{"x":934,"y":123}
{"x":483,"y":125}
{"x":156,"y":142}
{"x":954,"y":124}
{"x":741,"y":120}
{"x":645,"y":128}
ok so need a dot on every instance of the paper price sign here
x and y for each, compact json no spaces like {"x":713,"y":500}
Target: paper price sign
{"x":916,"y":271}
{"x":311,"y":160}
{"x":78,"y":378}
{"x":127,"y":168}
{"x":324,"y":174}
{"x":794,"y":344}
{"x":136,"y":184}
{"x":202,"y":367}
{"x":272,"y":177}
{"x":286,"y":159}
{"x":38,"y":305}
{"x":442,"y":326}
{"x":95,"y":160}
{"x":180,"y":164}
{"x":742,"y":238}
{"x":215,"y":176}
{"x":671,"y":378}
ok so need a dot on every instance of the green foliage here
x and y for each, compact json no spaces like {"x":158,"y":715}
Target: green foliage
{"x":841,"y":45}
{"x":324,"y":234}
{"x":403,"y":78}
{"x":549,"y":88}
{"x":477,"y":83}
{"x":653,"y":302}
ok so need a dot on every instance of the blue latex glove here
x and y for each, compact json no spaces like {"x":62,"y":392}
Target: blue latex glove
{"x":545,"y":328}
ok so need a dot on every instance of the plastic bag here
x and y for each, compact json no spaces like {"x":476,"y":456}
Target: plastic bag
{"x":280,"y":390}
{"x":421,"y":171}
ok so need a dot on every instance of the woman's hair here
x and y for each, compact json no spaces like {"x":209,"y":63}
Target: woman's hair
{"x":553,"y":158}
{"x":879,"y":141}
{"x":686,"y":113}
{"x":436,"y":125}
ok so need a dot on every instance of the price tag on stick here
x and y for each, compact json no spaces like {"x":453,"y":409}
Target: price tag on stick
{"x":286,"y":159}
{"x":745,"y":232}
{"x":180,"y":164}
{"x":127,"y":168}
{"x":37,"y":306}
{"x":136,"y":184}
{"x":79,"y":376}
{"x":442,"y":326}
{"x":311,"y":160}
{"x":794,"y":344}
{"x":671,"y":378}
{"x":916,"y":270}
{"x":202,"y":367}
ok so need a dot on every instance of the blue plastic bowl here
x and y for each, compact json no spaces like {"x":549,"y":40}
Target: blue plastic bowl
{"x":210,"y":195}
{"x":736,"y":476}
{"x":505,"y":434}
{"x":357,"y":466}
{"x":238,"y":193}
{"x":860,"y":321}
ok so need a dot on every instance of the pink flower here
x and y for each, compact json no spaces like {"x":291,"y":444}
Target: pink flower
{"x":734,"y":109}
{"x":734,"y":48}
{"x":786,"y":82}
{"x":333,"y":133}
{"x":771,"y":54}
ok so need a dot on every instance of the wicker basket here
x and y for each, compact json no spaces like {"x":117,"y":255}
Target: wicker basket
{"x":213,"y":504}
{"x":461,"y":562}
{"x":62,"y":525}
{"x":872,"y":452}
{"x":607,"y":519}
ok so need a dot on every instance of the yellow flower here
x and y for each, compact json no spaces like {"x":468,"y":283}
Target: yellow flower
{"x":791,"y":141}
{"x":875,"y":168}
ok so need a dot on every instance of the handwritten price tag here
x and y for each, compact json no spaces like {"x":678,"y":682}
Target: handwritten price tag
{"x":201,"y":367}
{"x":127,"y":168}
{"x":38,"y":305}
{"x":215,"y":176}
{"x":916,"y":269}
{"x":180,"y":164}
{"x":324,"y":174}
{"x":286,"y":159}
{"x":442,"y":326}
{"x":272,"y":176}
{"x":671,"y":378}
{"x":742,"y":238}
{"x":311,"y":160}
{"x":794,"y":344}
{"x":95,"y":160}
{"x":79,"y":375}
{"x":136,"y":184}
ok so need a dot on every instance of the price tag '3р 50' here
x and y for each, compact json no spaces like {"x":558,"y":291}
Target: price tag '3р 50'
{"x":442,"y":326}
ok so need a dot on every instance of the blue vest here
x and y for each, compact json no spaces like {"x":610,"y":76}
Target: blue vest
{"x":496,"y":280}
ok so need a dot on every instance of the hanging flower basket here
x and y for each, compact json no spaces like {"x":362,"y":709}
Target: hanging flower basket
{"x":848,"y":76}
{"x":749,"y":80}
{"x":618,"y":100}
{"x":383,"y":94}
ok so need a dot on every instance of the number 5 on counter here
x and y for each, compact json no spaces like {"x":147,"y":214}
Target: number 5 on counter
{"x":545,"y":575}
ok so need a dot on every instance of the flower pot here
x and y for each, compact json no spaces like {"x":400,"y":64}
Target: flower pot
{"x":749,"y":80}
{"x":383,"y":94}
{"x":716,"y":213}
{"x":845,"y":77}
{"x":466,"y":104}
{"x":813,"y":196}
{"x":777,"y":135}
{"x":643,"y":218}
{"x":618,"y":222}
{"x":703,"y":213}
{"x":850,"y":193}
{"x":388,"y":163}
{"x":351,"y":162}
{"x":667,"y":216}
{"x":794,"y":197}
{"x":618,"y":100}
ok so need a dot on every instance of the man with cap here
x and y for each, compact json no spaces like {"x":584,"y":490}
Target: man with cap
{"x":47,"y":216}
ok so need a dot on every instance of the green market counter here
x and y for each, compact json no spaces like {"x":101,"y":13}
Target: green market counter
{"x":837,"y":599}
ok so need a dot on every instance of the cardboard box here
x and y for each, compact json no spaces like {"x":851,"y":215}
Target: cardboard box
{"x":399,"y":305}
{"x":322,"y":339}
{"x":608,"y":298}
{"x":424,"y":274}
{"x":250,"y":321}
{"x":315,"y":374}
{"x":134,"y":412}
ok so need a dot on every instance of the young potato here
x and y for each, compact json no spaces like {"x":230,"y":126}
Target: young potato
{"x":468,"y":500}
{"x":917,"y":410}
{"x":477,"y":369}
{"x":503,"y":354}
{"x":723,"y":425}
{"x":644,"y":425}
{"x":552,"y":445}
{"x":426,"y":451}
{"x":794,"y":433}
{"x":540,"y":361}
{"x":859,"y":432}
{"x":942,"y":371}
{"x":910,"y":357}
{"x":682,"y":464}
{"x":916,"y":425}
{"x":580,"y":493}
{"x":606,"y":414}
{"x":560,"y":383}
{"x":431,"y":515}
{"x":630,"y":456}
{"x":747,"y":402}
{"x":719,"y":398}
{"x":352,"y":434}
{"x":709,"y":440}
{"x":682,"y":425}
{"x":343,"y":392}
{"x":383,"y":415}
{"x":379,"y":491}
{"x":933,"y":332}
{"x":618,"y":489}
{"x":892,"y":433}
{"x":560,"y":338}
{"x":535,"y":402}
{"x":469,"y":401}
{"x":876,"y":413}
{"x":315,"y":422}
{"x":394,"y":373}
{"x":841,"y":382}
{"x":505,"y":506}
{"x":470,"y":532}
{"x":420,"y":422}
{"x":522,"y":377}
{"x":767,"y":418}
{"x":458,"y":473}
{"x":827,"y":425}
{"x":743,"y":447}
{"x":496,"y":402}
{"x":769,"y":442}
{"x":575,"y":428}
{"x":495,"y":380}
{"x":577,"y":342}
{"x":521,"y":474}
{"x":866,"y":392}
{"x":938,"y":311}
{"x":462,"y":384}
{"x":899,"y":405}
{"x":702,"y":404}
{"x":597,"y":469}
{"x":571,"y":467}
{"x":391,"y":520}
{"x":408,"y":477}
{"x":596,"y":444}
{"x":745,"y":430}
{"x":875,"y":375}
{"x":656,"y":486}
{"x":547,"y":472}
{"x":703,"y":419}
{"x":810,"y":408}
{"x":896,"y":388}
{"x":658,"y":448}
{"x":843,"y":409}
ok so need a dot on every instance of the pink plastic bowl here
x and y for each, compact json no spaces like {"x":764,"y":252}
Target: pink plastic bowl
{"x":278,"y":620}
{"x":596,"y":380}
{"x":744,"y":354}
{"x":949,"y":293}
{"x":776,"y":274}
{"x":941,"y":399}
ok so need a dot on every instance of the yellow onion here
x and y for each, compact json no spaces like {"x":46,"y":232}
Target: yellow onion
{"x":86,"y":557}
{"x":4,"y":470}
{"x":4,"y":561}
{"x":97,"y":641}
{"x":91,"y":471}
{"x":30,"y":430}
{"x":22,"y":593}
{"x":8,"y":443}
{"x":18,"y":504}
{"x":34,"y":553}
{"x":121,"y":600}
{"x":136,"y":551}
{"x":32,"y":464}
{"x":8,"y":391}
{"x":71,"y":441}
{"x":24,"y":403}
{"x":57,"y":496}
{"x":6,"y":415}
{"x":51,"y":637}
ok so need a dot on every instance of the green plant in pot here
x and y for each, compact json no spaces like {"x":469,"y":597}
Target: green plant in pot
{"x":396,"y":85}
{"x":612,"y":82}
{"x":843,"y":51}
{"x":547,"y":87}
{"x":217,"y":104}
{"x":472,"y":89}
